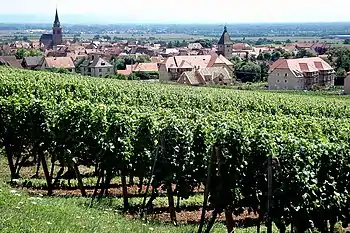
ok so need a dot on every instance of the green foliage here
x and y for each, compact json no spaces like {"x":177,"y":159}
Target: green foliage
{"x":206,"y":43}
{"x":304,"y":53}
{"x":248,"y":71}
{"x":21,"y":53}
{"x":106,"y":37}
{"x":76,"y":38}
{"x":276,"y":55}
{"x":133,"y":59}
{"x":170,"y":45}
{"x":120,"y":64}
{"x":123,"y":77}
{"x":78,"y":64}
{"x":146,"y":75}
{"x":235,"y":60}
{"x":341,"y":72}
{"x":264,"y":67}
{"x":58,"y":70}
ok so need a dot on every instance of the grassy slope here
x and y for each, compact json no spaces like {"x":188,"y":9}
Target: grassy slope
{"x":21,"y":213}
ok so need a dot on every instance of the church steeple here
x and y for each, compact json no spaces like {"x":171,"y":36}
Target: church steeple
{"x":57,"y":20}
{"x":56,"y":31}
{"x":225,"y":44}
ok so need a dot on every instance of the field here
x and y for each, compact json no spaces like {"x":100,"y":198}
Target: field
{"x":164,"y":153}
{"x":10,"y":35}
{"x":295,"y":38}
{"x":6,"y":35}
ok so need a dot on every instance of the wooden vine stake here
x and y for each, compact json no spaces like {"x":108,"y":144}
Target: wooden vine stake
{"x":73,"y":164}
{"x":206,"y":190}
{"x":228,"y":212}
{"x":269,"y":194}
{"x":171,"y":203}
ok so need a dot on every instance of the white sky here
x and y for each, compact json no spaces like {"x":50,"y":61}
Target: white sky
{"x":187,"y":11}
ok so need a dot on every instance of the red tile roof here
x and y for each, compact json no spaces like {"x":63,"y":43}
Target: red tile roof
{"x":146,"y":67}
{"x":124,"y":72}
{"x":311,"y":64}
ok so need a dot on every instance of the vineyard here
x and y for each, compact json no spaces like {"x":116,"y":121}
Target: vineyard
{"x":169,"y":146}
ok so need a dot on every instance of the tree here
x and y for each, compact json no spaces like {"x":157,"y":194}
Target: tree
{"x":76,"y":38}
{"x":248,"y":72}
{"x":276,"y":55}
{"x":304,"y":53}
{"x":347,"y":41}
{"x":107,"y":37}
{"x":267,"y":56}
{"x":205,"y":43}
{"x":184,"y":43}
{"x":146,"y":75}
{"x":33,"y":53}
{"x":120,"y":64}
{"x":21,"y":53}
{"x":288,"y":41}
{"x":78,"y":64}
{"x":235,"y":60}
{"x":144,"y":58}
{"x":287,"y":54}
{"x":170,"y":45}
{"x":341,"y":73}
{"x":264,"y":67}
{"x":25,"y":38}
{"x":97,"y":37}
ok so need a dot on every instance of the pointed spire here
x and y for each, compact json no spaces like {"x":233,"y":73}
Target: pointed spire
{"x":225,"y":37}
{"x":57,"y":20}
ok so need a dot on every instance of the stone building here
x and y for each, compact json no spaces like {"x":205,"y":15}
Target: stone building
{"x":96,"y":66}
{"x":300,"y":74}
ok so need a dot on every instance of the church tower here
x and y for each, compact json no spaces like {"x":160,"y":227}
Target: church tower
{"x":56,"y":31}
{"x":225,"y":44}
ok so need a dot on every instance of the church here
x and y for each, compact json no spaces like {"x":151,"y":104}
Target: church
{"x":49,"y":41}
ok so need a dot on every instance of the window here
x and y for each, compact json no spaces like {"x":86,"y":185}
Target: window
{"x":277,"y":80}
{"x":286,"y":74}
{"x":99,"y":70}
{"x":278,"y":74}
{"x":109,"y":69}
{"x":285,"y":80}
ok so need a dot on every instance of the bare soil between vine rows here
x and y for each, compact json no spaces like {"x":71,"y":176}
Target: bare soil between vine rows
{"x":193,"y":217}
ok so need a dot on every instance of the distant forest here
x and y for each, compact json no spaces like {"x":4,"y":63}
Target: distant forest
{"x":248,"y":30}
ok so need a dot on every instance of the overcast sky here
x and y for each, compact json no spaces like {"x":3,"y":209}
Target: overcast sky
{"x":184,"y":11}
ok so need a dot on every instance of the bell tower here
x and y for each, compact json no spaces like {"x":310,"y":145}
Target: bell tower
{"x":56,"y":31}
{"x":225,"y":44}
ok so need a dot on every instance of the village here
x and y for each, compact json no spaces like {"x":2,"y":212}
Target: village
{"x":288,"y":66}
